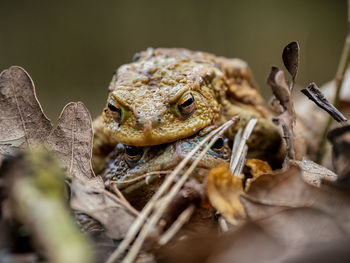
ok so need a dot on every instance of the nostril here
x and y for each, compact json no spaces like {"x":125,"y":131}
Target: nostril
{"x":138,"y":122}
{"x":158,"y":120}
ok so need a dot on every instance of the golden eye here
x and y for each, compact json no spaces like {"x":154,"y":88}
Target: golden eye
{"x":187,"y":105}
{"x":115,"y":111}
{"x":133,"y":154}
{"x":218,"y":145}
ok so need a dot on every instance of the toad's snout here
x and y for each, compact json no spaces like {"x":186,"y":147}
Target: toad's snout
{"x":147,"y":124}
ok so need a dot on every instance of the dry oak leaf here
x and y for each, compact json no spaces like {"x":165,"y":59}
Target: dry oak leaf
{"x":223,"y":191}
{"x":22,"y":121}
{"x":71,"y":141}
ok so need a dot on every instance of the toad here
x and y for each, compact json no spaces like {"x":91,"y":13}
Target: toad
{"x":167,"y":94}
{"x":138,"y":171}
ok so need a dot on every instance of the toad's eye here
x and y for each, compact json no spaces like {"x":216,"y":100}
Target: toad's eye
{"x":186,"y":105}
{"x":133,"y":154}
{"x":116,"y":111}
{"x":218,"y":145}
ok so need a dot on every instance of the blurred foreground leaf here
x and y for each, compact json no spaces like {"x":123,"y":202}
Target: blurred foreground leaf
{"x":36,"y":192}
{"x":23,"y":126}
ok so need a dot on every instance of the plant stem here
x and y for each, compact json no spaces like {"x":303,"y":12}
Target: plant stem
{"x":339,"y":78}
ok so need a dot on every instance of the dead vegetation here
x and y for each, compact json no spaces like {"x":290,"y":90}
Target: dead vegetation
{"x":54,"y":208}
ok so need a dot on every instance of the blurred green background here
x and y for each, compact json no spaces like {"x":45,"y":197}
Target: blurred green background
{"x":71,"y":48}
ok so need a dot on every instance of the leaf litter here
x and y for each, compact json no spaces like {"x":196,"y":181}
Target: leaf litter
{"x":279,"y":212}
{"x":25,"y":126}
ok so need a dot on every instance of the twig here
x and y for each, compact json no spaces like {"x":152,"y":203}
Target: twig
{"x":223,"y":224}
{"x":316,"y":95}
{"x":238,"y":154}
{"x":236,"y":141}
{"x":241,"y":161}
{"x":176,"y":226}
{"x":140,"y":177}
{"x":339,"y":78}
{"x":135,"y":227}
{"x":124,"y":201}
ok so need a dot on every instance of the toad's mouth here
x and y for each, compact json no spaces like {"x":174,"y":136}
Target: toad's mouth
{"x":156,"y":136}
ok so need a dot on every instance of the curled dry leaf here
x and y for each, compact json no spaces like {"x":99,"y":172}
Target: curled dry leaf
{"x":290,"y":58}
{"x":22,"y":121}
{"x":249,"y":243}
{"x":286,"y":189}
{"x":103,"y":206}
{"x":36,"y":192}
{"x":316,"y":95}
{"x":314,"y":173}
{"x":254,"y":243}
{"x":340,"y":139}
{"x":300,"y":226}
{"x":287,"y":118}
{"x":281,"y":91}
{"x":223,"y":191}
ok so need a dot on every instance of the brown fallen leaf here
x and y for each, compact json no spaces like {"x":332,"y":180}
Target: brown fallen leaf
{"x":252,"y":243}
{"x":314,"y":173}
{"x":290,"y":57}
{"x":340,"y":139}
{"x":22,"y":121}
{"x":23,"y":125}
{"x":300,"y":226}
{"x":287,"y":118}
{"x":248,"y":243}
{"x":108,"y":209}
{"x":71,"y":140}
{"x":285,"y":189}
{"x":223,"y":191}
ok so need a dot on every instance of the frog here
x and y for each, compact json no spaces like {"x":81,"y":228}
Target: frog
{"x":167,"y":94}
{"x":127,"y":166}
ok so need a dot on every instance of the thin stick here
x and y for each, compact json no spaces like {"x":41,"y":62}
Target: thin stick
{"x":237,"y":155}
{"x":223,"y":224}
{"x":140,"y":177}
{"x":176,"y":226}
{"x":241,"y":162}
{"x":168,"y":198}
{"x":339,"y":78}
{"x":236,"y":141}
{"x":123,"y":199}
{"x":135,"y":227}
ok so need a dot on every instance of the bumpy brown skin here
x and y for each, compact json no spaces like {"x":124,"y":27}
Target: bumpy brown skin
{"x":157,"y":158}
{"x":148,"y":90}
